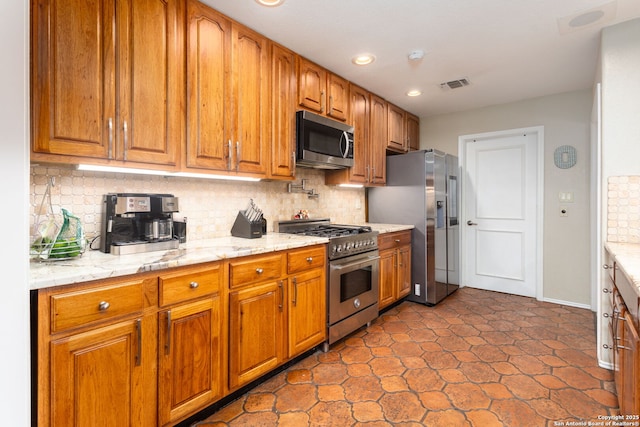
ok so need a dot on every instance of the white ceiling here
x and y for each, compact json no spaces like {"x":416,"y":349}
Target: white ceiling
{"x":508,"y":49}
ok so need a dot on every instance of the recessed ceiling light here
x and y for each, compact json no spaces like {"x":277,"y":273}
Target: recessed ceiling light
{"x":414,"y":92}
{"x":363,"y":59}
{"x":270,"y":3}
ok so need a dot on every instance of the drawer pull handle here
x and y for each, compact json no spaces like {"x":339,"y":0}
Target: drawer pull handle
{"x":281,"y":295}
{"x":396,"y":240}
{"x":194,"y":285}
{"x":259,"y":270}
{"x":310,"y":259}
{"x":103,"y":306}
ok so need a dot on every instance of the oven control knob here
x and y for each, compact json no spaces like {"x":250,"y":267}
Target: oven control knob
{"x":356,"y":303}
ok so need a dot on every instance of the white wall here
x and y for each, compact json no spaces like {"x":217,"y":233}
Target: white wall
{"x":566,"y":120}
{"x":620,"y":74}
{"x":14,"y":302}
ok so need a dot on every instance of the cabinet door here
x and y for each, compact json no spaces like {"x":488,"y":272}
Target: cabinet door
{"x":629,"y":399}
{"x":256,"y":329}
{"x":395,"y":138}
{"x":378,"y":126}
{"x":97,"y":377}
{"x":338,"y":88}
{"x":404,"y":271}
{"x":250,"y":102}
{"x":190,"y":358}
{"x":283,"y":109}
{"x":208,"y":88}
{"x":73,"y":89}
{"x":412,"y":132}
{"x":150,"y":81}
{"x":307,"y":311}
{"x":312,"y":82}
{"x":359,"y":111}
{"x":387,"y":278}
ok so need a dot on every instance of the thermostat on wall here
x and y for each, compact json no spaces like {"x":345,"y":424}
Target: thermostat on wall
{"x":565,"y":156}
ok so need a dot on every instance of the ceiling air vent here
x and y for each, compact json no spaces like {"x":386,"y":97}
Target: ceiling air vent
{"x":455,"y":84}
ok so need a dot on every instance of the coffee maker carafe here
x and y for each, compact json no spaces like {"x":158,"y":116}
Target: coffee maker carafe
{"x":134,"y":223}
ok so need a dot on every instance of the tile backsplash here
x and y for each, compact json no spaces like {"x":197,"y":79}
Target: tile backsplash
{"x":623,"y":216}
{"x":210,"y":206}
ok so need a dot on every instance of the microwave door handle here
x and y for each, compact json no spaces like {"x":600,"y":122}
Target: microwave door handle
{"x":344,"y":137}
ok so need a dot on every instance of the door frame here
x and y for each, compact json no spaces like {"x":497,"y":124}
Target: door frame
{"x":463,"y":140}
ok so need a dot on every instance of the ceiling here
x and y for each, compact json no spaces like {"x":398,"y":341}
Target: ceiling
{"x":508,"y":50}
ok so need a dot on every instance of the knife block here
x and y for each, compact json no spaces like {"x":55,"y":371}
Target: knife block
{"x":246,"y":229}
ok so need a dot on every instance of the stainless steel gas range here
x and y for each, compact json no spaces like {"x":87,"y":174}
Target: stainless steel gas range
{"x":352,"y":273}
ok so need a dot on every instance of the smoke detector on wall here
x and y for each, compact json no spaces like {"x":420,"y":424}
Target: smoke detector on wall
{"x":455,"y":84}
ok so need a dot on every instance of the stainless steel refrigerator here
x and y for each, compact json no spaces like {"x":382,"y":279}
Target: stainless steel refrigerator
{"x":422,"y":190}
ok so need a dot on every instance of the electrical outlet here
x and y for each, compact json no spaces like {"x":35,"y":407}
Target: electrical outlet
{"x":417,"y":289}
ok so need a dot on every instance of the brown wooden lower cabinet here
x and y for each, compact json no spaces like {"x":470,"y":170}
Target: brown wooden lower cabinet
{"x":151,"y":349}
{"x":625,"y":340}
{"x":395,"y":267}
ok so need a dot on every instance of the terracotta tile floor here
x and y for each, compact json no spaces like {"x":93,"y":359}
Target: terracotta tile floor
{"x":476,"y":359}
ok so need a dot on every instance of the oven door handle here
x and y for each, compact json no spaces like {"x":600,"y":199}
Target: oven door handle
{"x":357,"y":264}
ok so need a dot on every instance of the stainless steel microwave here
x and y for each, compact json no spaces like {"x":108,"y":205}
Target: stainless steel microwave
{"x":323,"y":143}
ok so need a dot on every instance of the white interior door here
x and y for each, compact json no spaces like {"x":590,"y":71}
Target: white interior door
{"x":500,"y":201}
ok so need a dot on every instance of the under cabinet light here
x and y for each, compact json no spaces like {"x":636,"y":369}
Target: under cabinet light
{"x":209,"y":176}
{"x":351,"y":185}
{"x":116,"y":169}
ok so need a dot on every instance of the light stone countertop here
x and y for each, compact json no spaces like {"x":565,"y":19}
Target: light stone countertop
{"x":627,"y":257}
{"x":93,"y":264}
{"x":388,"y":228}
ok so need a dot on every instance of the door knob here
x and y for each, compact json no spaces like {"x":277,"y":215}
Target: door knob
{"x":471,"y":223}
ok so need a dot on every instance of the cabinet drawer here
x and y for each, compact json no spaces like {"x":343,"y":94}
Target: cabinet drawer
{"x":305,"y":259}
{"x":78,"y":308}
{"x":394,"y":240}
{"x":188,"y":284}
{"x":253,"y":270}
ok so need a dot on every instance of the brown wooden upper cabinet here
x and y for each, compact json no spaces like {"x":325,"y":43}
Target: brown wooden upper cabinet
{"x":228,"y":89}
{"x":369,"y":146}
{"x":321,"y":91}
{"x":396,"y":140}
{"x":404,"y":130}
{"x":283,"y":110}
{"x":412,"y":131}
{"x":107,"y":82}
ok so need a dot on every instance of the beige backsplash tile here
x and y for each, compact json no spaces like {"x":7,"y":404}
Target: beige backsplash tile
{"x":210,"y":206}
{"x":623,"y":209}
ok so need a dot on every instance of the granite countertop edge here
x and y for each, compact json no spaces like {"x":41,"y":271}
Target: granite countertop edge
{"x":95,"y":265}
{"x":627,"y":257}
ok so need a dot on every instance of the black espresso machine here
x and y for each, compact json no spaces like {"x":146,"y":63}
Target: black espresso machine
{"x":133,"y":223}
